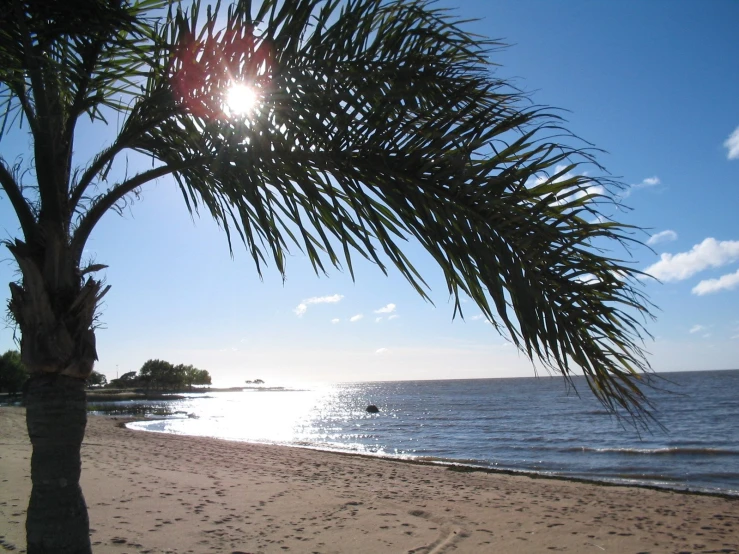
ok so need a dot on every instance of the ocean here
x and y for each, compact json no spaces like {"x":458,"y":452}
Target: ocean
{"x":534,"y":425}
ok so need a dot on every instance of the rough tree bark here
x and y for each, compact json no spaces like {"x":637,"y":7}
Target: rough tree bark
{"x":54,"y":307}
{"x":56,"y":416}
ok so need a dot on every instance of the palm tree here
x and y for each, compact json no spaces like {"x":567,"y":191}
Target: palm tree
{"x":360,"y":124}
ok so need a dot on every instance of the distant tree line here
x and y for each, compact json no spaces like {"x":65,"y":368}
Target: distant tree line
{"x":154,"y":374}
{"x":96,"y":380}
{"x":12,"y":372}
{"x":162,"y":375}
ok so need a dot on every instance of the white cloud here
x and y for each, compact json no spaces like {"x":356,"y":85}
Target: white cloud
{"x":378,"y":319}
{"x":558,"y":169}
{"x":620,"y":275}
{"x":335,"y":320}
{"x":696,"y":329}
{"x":732,"y":145}
{"x":725,"y":282}
{"x":390,"y":308}
{"x":477,"y":317}
{"x":381,"y":351}
{"x":301,"y":308}
{"x":587,"y":278}
{"x":709,"y":253}
{"x":356,"y":318}
{"x":663,"y":236}
{"x":645,"y":183}
{"x":394,"y":316}
{"x":597,"y":189}
{"x":324,"y":299}
{"x":574,"y":193}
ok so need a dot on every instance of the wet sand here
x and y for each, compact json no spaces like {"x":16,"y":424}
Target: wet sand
{"x":156,"y":493}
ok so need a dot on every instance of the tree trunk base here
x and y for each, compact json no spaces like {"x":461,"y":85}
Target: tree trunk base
{"x":56,"y":416}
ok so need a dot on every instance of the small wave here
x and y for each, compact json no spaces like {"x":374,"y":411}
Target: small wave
{"x":453,"y":461}
{"x":670,"y":451}
{"x":271,"y":389}
{"x":596,"y":412}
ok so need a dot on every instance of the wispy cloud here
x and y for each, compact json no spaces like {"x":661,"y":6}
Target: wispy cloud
{"x":725,"y":282}
{"x":381,"y":351}
{"x":696,"y":329}
{"x":335,"y":320}
{"x":394,"y":316}
{"x":577,"y":193}
{"x":732,"y":145}
{"x":573,"y":193}
{"x":663,"y":236}
{"x":481,"y":317}
{"x":620,"y":275}
{"x":709,"y":253}
{"x":588,"y":279}
{"x":301,"y":308}
{"x":378,"y":319}
{"x":645,"y":184}
{"x":557,"y":169}
{"x":356,"y":318}
{"x":390,"y":308}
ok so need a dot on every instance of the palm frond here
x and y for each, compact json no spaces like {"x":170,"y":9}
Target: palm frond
{"x":382,"y":121}
{"x":379,"y":122}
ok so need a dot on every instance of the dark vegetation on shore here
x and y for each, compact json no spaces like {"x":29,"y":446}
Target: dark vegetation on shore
{"x":160,"y":375}
{"x":12,"y":372}
{"x":156,"y":380}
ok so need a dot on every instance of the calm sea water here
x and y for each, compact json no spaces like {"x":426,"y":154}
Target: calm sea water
{"x":527,"y":424}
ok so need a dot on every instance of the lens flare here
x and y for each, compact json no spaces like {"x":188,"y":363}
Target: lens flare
{"x":241,"y":99}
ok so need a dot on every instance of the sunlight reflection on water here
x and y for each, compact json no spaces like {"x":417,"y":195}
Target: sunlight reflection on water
{"x":260,"y":416}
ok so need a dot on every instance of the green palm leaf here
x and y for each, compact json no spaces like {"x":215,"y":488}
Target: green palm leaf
{"x":379,"y":123}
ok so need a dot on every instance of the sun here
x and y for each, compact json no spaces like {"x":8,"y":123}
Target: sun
{"x":241,"y":99}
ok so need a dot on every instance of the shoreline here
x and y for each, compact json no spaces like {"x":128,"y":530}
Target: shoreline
{"x":448,"y":463}
{"x":159,"y":492}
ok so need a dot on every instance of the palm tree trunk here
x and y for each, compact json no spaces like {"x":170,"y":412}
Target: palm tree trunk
{"x":56,"y":416}
{"x":54,"y":308}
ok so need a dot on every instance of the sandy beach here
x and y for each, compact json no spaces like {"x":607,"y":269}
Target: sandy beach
{"x":159,"y":493}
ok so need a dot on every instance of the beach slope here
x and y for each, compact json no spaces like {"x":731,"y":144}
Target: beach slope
{"x":158,"y":493}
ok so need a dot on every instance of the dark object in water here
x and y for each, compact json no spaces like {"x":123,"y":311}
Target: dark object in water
{"x":372,"y":409}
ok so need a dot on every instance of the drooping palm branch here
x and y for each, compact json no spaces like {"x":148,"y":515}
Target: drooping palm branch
{"x":379,"y":122}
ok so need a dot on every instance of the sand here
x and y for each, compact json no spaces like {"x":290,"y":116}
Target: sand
{"x":158,"y":493}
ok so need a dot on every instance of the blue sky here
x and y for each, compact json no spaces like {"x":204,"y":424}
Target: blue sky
{"x":652,"y":83}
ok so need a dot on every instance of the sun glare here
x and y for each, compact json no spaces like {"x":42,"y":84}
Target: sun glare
{"x":241,"y":99}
